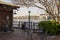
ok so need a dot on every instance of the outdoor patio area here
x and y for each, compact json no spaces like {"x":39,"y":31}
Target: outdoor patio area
{"x":18,"y":34}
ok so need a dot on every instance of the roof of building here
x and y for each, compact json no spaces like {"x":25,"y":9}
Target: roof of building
{"x":9,"y":4}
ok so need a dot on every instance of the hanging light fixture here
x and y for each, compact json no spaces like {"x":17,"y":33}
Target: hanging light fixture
{"x":14,"y":11}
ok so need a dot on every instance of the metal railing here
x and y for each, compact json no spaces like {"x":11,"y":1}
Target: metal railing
{"x":18,"y":24}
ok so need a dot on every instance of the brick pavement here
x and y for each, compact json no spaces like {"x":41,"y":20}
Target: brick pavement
{"x":18,"y":34}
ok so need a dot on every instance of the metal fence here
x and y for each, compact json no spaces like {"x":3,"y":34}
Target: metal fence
{"x":18,"y":24}
{"x":33,"y":26}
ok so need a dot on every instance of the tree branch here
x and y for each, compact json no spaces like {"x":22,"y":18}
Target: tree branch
{"x":39,"y":7}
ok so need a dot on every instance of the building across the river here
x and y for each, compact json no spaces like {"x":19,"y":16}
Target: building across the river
{"x":39,"y":17}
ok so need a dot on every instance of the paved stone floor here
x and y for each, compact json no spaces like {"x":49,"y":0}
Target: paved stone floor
{"x":18,"y":34}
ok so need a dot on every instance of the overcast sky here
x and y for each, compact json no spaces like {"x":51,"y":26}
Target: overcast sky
{"x":23,"y":11}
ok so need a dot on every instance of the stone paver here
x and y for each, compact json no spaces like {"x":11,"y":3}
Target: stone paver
{"x":18,"y":34}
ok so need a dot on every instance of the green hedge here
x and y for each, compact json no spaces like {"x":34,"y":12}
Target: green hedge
{"x":51,"y":27}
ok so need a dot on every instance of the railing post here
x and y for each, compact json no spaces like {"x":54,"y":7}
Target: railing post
{"x":19,"y":24}
{"x":33,"y":27}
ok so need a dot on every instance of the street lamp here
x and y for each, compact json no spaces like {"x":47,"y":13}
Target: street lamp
{"x":29,"y":18}
{"x":29,"y":31}
{"x":14,"y":11}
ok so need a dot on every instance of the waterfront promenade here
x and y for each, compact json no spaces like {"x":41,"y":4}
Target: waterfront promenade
{"x":18,"y":34}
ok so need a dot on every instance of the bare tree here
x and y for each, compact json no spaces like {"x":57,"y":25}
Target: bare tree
{"x":22,"y":2}
{"x":52,"y":7}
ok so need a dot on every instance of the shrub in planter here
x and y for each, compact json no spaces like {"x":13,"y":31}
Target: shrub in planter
{"x":58,"y":26}
{"x":49,"y":26}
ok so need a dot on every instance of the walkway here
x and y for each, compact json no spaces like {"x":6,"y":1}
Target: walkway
{"x":18,"y":34}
